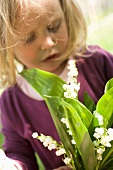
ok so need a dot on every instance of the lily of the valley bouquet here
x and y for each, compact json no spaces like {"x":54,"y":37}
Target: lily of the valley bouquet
{"x":86,"y":134}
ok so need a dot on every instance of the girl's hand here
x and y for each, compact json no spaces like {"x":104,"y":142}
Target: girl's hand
{"x":2,"y":159}
{"x":5,"y":162}
{"x":63,"y":168}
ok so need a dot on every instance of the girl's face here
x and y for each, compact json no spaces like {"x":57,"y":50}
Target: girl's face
{"x":46,"y":37}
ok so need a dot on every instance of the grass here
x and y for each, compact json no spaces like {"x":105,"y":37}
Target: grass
{"x":1,"y":138}
{"x":40,"y":164}
{"x":102,"y":33}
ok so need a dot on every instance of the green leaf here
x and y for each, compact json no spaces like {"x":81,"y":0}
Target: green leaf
{"x":89,"y":103}
{"x":57,"y":112}
{"x":107,"y":158}
{"x":81,"y":136}
{"x":49,"y":85}
{"x":105,"y":107}
{"x":84,"y":113}
{"x":109,"y":85}
{"x":43,"y":82}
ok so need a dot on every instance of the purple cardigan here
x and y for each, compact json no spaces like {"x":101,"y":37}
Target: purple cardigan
{"x":21,"y":115}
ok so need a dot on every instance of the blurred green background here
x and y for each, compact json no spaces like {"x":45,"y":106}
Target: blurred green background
{"x":101,"y":33}
{"x":1,"y":138}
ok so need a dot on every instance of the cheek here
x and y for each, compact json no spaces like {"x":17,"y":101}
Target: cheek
{"x":63,"y":40}
{"x":63,"y":36}
{"x":23,"y":53}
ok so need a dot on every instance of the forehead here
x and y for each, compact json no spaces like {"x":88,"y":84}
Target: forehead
{"x":39,"y":8}
{"x":32,"y":11}
{"x":42,"y":5}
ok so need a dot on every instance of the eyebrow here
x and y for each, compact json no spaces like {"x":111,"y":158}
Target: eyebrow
{"x":59,"y":18}
{"x":52,"y":20}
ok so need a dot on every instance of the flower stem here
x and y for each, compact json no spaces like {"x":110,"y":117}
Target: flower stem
{"x":74,"y":168}
{"x":106,"y":157}
{"x":97,"y":167}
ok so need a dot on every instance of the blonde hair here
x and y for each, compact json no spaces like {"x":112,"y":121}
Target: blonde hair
{"x":76,"y":25}
{"x":8,"y":17}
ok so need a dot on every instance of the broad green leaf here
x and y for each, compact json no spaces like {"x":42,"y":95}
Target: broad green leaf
{"x":48,"y":84}
{"x":81,"y":121}
{"x":89,"y":103}
{"x":81,"y":137}
{"x":57,"y":112}
{"x":109,"y":85}
{"x":84,"y":113}
{"x":43,"y":82}
{"x":105,"y":108}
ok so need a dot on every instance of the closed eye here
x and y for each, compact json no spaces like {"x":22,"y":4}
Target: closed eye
{"x":54,"y":29}
{"x":30,"y":39}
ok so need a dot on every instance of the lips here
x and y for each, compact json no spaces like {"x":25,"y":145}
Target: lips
{"x":51,"y":57}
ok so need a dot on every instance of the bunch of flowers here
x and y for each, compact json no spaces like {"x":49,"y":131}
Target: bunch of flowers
{"x":51,"y":144}
{"x":86,"y":138}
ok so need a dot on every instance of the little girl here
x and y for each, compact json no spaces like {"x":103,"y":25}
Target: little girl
{"x":42,"y":34}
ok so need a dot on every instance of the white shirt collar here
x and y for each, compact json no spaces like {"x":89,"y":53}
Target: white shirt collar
{"x":29,"y":91}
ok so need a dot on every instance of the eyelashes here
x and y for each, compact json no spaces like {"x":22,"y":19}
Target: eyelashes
{"x":53,"y":28}
{"x":31,"y":38}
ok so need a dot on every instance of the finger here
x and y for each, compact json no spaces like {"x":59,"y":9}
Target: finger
{"x":9,"y":165}
{"x":2,"y":159}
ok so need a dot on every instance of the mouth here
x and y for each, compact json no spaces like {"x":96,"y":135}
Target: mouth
{"x":51,"y":58}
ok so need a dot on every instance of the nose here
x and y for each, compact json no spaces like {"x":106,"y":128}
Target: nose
{"x":47,"y":43}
